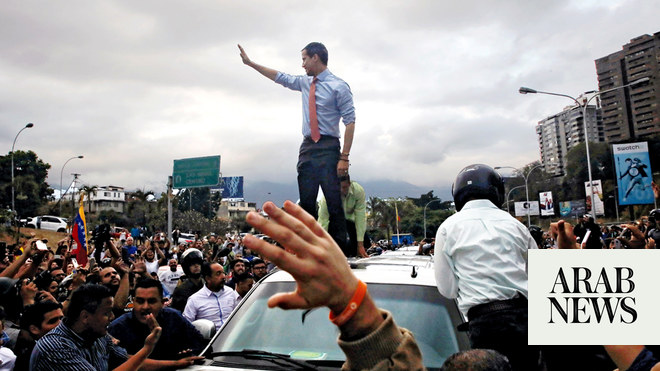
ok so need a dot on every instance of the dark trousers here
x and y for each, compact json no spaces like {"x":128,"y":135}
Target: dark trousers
{"x":352,"y":238}
{"x":317,"y":166}
{"x":506,"y":332}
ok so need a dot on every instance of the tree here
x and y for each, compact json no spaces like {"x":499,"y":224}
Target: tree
{"x":203,"y":201}
{"x":138,"y":208}
{"x":424,"y":199}
{"x":196,"y":222}
{"x":30,"y":187}
{"x":378,"y":215}
{"x":88,"y":191}
{"x":111,"y":217}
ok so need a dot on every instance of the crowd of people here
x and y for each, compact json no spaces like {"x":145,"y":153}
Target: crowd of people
{"x":152,"y":303}
{"x":135,"y":302}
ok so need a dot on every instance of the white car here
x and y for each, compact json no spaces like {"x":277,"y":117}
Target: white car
{"x":48,"y":222}
{"x":258,"y":338}
{"x":186,"y":238}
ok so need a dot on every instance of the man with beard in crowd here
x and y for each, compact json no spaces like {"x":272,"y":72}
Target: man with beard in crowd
{"x":118,"y":286}
{"x":238,"y":267}
{"x":170,"y":277}
{"x":179,"y":337}
{"x":215,"y":301}
{"x":81,"y":341}
{"x":259,"y":269}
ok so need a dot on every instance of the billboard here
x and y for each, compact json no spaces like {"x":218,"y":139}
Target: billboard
{"x":574,"y":208}
{"x":547,"y":204}
{"x":231,"y":187}
{"x":633,"y":173}
{"x":598,"y":199}
{"x":524,"y":208}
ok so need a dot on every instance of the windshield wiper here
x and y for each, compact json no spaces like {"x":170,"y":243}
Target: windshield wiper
{"x":276,"y":358}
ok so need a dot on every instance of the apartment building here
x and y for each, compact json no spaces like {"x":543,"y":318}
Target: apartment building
{"x":631,"y":113}
{"x":559,"y":133}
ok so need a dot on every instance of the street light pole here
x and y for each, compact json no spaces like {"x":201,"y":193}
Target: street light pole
{"x":524,"y":90}
{"x":62,"y":171}
{"x":13,"y":205}
{"x":525,"y":176}
{"x":529,"y":220}
{"x":427,"y":204}
{"x":507,"y":197}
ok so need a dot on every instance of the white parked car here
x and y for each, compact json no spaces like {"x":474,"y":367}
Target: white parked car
{"x":48,"y":222}
{"x":258,"y":338}
{"x":186,"y":238}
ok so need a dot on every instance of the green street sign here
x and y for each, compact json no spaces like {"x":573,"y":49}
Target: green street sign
{"x":196,"y":172}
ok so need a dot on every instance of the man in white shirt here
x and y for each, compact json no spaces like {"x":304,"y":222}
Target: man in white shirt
{"x":481,"y":259}
{"x":214,"y":301}
{"x":170,"y":277}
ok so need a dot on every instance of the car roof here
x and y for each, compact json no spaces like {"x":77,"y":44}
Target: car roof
{"x":403,"y":270}
{"x":397,"y":259}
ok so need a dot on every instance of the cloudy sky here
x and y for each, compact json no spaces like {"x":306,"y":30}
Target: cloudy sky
{"x":133,"y":85}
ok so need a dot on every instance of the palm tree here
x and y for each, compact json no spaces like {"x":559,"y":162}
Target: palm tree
{"x":381,"y":214}
{"x":140,"y":195}
{"x":88,"y":190}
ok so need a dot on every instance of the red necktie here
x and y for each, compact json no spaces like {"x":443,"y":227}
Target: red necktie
{"x":313,"y":121}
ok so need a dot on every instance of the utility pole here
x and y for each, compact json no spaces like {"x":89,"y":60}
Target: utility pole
{"x":169,"y":208}
{"x":73,"y":196}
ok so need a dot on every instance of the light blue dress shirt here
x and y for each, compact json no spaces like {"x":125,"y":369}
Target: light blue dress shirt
{"x":334,"y":100}
{"x":481,"y":255}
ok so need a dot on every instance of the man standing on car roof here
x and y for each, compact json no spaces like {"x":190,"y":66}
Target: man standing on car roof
{"x":326,"y":100}
{"x":481,"y":259}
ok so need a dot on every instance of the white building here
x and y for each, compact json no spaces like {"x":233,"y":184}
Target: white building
{"x":230,"y":209}
{"x":106,"y":198}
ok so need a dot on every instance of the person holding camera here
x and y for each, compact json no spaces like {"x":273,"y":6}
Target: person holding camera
{"x":155,"y":248}
{"x":589,"y":240}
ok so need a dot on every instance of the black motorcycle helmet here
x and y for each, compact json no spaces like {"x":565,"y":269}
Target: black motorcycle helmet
{"x":478,"y":181}
{"x":190,"y":257}
{"x":537,"y":234}
{"x":654,"y":216}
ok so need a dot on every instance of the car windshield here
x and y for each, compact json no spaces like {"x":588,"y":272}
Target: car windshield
{"x":310,"y":336}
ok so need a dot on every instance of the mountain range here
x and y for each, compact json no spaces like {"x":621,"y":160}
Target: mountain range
{"x":261,"y":192}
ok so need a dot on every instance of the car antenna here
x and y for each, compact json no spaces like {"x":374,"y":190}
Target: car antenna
{"x":414,"y":272}
{"x":305,"y":313}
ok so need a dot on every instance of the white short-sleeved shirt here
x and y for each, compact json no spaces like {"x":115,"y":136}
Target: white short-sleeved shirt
{"x":481,"y":255}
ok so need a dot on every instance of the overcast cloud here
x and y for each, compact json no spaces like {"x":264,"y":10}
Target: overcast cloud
{"x":133,"y":85}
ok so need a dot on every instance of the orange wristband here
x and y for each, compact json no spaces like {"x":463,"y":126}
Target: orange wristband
{"x":352,"y":306}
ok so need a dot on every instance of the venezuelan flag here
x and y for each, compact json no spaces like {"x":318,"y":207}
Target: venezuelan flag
{"x":79,"y":234}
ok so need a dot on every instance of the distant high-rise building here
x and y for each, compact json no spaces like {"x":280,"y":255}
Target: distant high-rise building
{"x":559,"y":133}
{"x":631,"y":113}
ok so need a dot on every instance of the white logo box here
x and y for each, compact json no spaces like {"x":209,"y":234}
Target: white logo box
{"x":634,"y":318}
